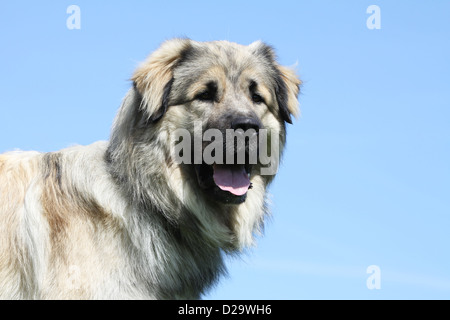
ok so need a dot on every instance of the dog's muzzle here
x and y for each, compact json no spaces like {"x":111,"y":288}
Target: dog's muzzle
{"x":229,"y":181}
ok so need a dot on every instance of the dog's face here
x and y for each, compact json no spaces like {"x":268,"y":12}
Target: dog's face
{"x":223,"y":88}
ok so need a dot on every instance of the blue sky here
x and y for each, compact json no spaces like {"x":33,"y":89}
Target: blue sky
{"x":366,"y":174}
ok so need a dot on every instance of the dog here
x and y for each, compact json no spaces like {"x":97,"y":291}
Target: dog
{"x":130,"y":218}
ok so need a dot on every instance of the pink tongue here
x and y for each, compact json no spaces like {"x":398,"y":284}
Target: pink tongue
{"x":231,"y":179}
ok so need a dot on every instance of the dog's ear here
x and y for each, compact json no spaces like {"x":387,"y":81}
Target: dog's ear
{"x":154,"y":77}
{"x":288,"y":88}
{"x":286,"y":82}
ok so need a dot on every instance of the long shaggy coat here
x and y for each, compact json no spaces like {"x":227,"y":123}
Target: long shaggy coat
{"x":121,"y":219}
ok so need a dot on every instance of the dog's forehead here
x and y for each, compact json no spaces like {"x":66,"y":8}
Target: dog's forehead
{"x":223,"y":52}
{"x":222,"y":59}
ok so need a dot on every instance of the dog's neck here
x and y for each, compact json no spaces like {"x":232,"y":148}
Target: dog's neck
{"x":172,"y":248}
{"x":172,"y":260}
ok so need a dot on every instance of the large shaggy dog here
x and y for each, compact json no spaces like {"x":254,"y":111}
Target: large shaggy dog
{"x":124,"y":218}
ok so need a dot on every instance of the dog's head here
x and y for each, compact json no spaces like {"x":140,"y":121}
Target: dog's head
{"x":223,"y":104}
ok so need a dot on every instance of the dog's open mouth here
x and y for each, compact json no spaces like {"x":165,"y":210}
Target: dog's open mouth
{"x":226,"y":174}
{"x":233,"y":179}
{"x":226,"y":183}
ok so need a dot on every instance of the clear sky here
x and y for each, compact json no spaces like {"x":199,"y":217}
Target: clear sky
{"x":366,"y":174}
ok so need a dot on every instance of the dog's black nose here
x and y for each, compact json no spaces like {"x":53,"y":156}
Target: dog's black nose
{"x":246,"y":123}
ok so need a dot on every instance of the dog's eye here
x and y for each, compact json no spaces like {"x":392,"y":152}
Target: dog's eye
{"x":206,"y":95}
{"x":257,"y":98}
{"x":209,"y":93}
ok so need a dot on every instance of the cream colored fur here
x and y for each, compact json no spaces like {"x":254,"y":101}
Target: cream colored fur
{"x":120,"y":219}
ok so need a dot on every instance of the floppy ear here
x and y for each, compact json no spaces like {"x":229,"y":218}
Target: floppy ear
{"x":287,"y":83}
{"x":154,"y":77}
{"x":288,"y":88}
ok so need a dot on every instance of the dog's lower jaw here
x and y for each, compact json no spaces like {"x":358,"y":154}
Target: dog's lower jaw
{"x":204,"y":175}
